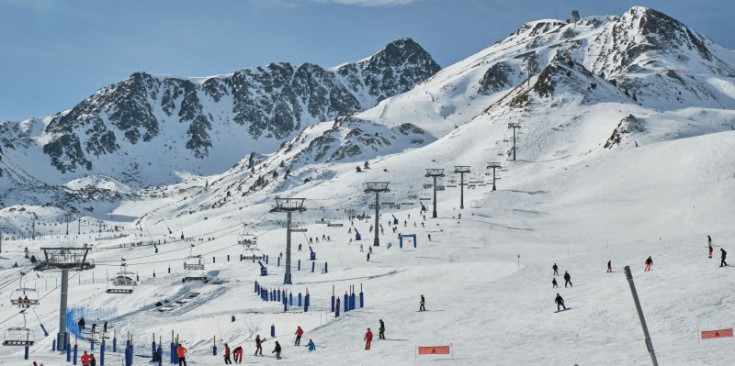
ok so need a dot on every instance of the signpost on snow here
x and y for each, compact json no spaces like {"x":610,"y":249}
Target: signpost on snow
{"x":638,"y":308}
{"x":461,"y":170}
{"x":494,"y":166}
{"x":434,"y":173}
{"x":514,"y":127}
{"x":376,"y":187}
{"x":288,"y":205}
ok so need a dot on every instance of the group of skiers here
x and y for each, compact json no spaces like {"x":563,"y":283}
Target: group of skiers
{"x":236,"y":354}
{"x":723,"y":253}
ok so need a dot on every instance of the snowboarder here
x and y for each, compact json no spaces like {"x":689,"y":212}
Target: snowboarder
{"x":554,"y":284}
{"x":258,"y":346}
{"x":559,"y":303}
{"x":237,"y":354}
{"x":609,"y":266}
{"x":85,"y":359}
{"x":567,"y":279}
{"x":649,"y":263}
{"x":311,"y":346}
{"x":277,"y":351}
{"x":381,"y":330}
{"x":181,"y":353}
{"x":368,"y":338}
{"x":556,"y":269}
{"x":227,"y":355}
{"x":422,"y":304}
{"x":299,"y":333}
{"x":723,"y":256}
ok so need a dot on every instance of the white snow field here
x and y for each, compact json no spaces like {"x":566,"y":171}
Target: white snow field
{"x":660,"y":200}
{"x":576,"y":196}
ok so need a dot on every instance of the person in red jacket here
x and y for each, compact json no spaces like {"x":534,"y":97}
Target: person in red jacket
{"x":237,"y":353}
{"x":368,"y":339}
{"x":85,"y":359}
{"x":299,"y":333}
{"x":181,"y":352}
{"x":227,"y":355}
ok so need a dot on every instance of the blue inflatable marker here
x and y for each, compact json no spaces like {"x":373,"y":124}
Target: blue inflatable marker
{"x":332,"y":303}
{"x":346,"y":303}
{"x":362,"y":300}
{"x":312,"y":266}
{"x":299,"y":304}
{"x":273,"y":331}
{"x":336,"y":309}
{"x":306,"y":302}
{"x":290,"y":299}
{"x":114,"y":344}
{"x":68,"y":352}
{"x":326,"y":269}
{"x":76,"y":349}
{"x":160,"y":355}
{"x":228,"y":257}
{"x":25,"y":354}
{"x":213,"y":260}
{"x":53,"y":345}
{"x":298,"y":266}
{"x":102,"y":352}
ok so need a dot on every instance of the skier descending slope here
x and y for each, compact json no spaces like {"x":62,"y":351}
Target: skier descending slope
{"x":368,"y":339}
{"x":649,"y":263}
{"x":609,"y":266}
{"x":722,"y":257}
{"x":567,"y":279}
{"x":556,"y":269}
{"x":559,"y":303}
{"x":709,"y":245}
{"x":554,"y":284}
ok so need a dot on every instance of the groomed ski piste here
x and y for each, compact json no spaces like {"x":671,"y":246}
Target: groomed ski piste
{"x":621,"y":207}
{"x":486,"y":276}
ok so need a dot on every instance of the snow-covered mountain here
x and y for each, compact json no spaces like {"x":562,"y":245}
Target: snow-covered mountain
{"x":204,"y":125}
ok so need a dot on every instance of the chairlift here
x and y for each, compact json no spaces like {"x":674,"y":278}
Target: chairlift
{"x":19,"y":336}
{"x":440,"y":187}
{"x":247,"y":240}
{"x":124,"y":281}
{"x":24,"y":296}
{"x":192,"y":264}
{"x":427,"y":185}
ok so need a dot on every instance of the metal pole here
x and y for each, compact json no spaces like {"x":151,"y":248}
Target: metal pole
{"x":62,"y":306}
{"x":638,"y":308}
{"x":376,"y":242}
{"x":287,"y":276}
{"x":461,"y":191}
{"x":434,"y":214}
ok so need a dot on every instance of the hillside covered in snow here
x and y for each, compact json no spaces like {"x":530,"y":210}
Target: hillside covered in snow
{"x":624,"y":150}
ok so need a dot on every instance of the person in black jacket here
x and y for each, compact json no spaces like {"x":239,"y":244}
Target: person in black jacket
{"x":567,"y":279}
{"x":258,"y":346}
{"x":277,"y":351}
{"x":723,"y":256}
{"x":649,"y":263}
{"x":381,"y":330}
{"x":559,"y":303}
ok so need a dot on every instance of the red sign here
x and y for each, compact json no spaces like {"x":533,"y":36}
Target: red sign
{"x":707,"y":334}
{"x":434,"y":350}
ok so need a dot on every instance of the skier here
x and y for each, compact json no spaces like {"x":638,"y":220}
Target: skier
{"x":381,"y":330}
{"x":181,"y":353}
{"x":299,"y":247}
{"x":311,"y":346}
{"x":92,"y":360}
{"x":237,"y":354}
{"x":277,"y":351}
{"x":724,"y":255}
{"x":429,"y":237}
{"x":360,"y":247}
{"x":370,"y":250}
{"x":422,"y":304}
{"x":20,"y":303}
{"x":258,"y":346}
{"x":368,"y":338}
{"x":368,"y":257}
{"x":554,"y":284}
{"x":299,"y":333}
{"x":81,"y":323}
{"x":649,"y":263}
{"x":559,"y":303}
{"x":609,"y":266}
{"x":556,"y":269}
{"x":227,"y":355}
{"x":567,"y":279}
{"x":85,"y":359}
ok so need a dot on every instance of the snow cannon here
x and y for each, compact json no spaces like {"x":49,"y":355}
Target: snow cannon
{"x":312,"y":255}
{"x":357,"y":235}
{"x":263,"y":270}
{"x":395,"y":220}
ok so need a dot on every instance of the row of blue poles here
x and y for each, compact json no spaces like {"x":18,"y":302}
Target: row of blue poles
{"x":349,"y":302}
{"x":280,"y":295}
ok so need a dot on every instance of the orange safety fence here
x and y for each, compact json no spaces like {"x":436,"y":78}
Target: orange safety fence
{"x":434,"y":350}
{"x":721,"y":333}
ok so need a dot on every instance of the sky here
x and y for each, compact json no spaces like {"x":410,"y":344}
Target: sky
{"x":55,"y":53}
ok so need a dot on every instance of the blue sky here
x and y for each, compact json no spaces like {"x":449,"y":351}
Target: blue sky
{"x":55,"y":53}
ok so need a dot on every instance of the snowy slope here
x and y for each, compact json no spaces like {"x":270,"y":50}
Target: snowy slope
{"x":602,"y":174}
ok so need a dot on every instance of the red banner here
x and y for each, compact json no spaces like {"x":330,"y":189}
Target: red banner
{"x":707,"y":334}
{"x":434,"y":350}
